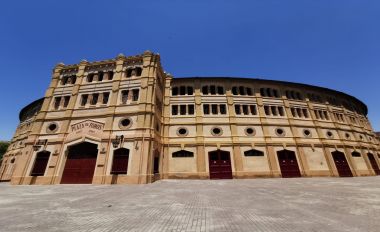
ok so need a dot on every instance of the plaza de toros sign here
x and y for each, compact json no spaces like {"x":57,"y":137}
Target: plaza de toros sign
{"x":87,"y":127}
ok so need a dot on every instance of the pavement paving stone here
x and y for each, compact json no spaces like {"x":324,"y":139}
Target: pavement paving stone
{"x":280,"y":205}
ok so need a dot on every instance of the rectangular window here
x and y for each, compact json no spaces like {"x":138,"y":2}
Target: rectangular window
{"x":205,"y":89}
{"x":206,"y":109}
{"x":182,"y":109}
{"x":174,"y":91}
{"x":100,"y":78}
{"x":294,"y":113}
{"x":245,"y":109}
{"x":124,"y":96}
{"x":110,"y":75}
{"x":135,"y":96}
{"x":249,"y":92}
{"x":305,"y":113}
{"x":281,"y":111}
{"x":274,"y":110}
{"x":64,"y":80}
{"x":223,"y":109}
{"x":191,"y":109}
{"x":212,"y":90}
{"x":57,"y":103}
{"x":94,"y":99}
{"x":73,"y":79}
{"x":234,"y":90}
{"x":214,"y":109}
{"x":190,"y":90}
{"x":237,"y":109}
{"x":267,"y":110}
{"x":40,"y":163}
{"x":299,"y":112}
{"x":174,"y":110}
{"x":84,"y":100}
{"x":106,"y":96}
{"x":182,"y":90}
{"x":182,"y":153}
{"x":241,"y":90}
{"x":326,"y":115}
{"x":253,"y":109}
{"x":66,"y":101}
{"x":220,"y":90}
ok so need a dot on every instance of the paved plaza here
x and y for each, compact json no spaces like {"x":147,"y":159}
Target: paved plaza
{"x":301,"y":204}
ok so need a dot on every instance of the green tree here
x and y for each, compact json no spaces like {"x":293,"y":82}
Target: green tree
{"x":3,"y":148}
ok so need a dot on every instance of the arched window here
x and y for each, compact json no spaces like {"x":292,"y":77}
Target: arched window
{"x":182,"y":153}
{"x":110,"y":75}
{"x":90,"y":77}
{"x":129,"y":72}
{"x":356,"y":154}
{"x":40,"y":163}
{"x":138,"y":71}
{"x":120,"y":161}
{"x":100,"y":76}
{"x":253,"y":152}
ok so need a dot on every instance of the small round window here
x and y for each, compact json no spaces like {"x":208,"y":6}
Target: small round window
{"x":348,"y":136}
{"x":52,"y":127}
{"x":182,"y":131}
{"x":250,"y":131}
{"x":307,"y":133}
{"x":216,"y":131}
{"x":280,"y":132}
{"x":329,"y":134}
{"x":125,"y":123}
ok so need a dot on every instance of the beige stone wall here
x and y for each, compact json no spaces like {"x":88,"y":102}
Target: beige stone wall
{"x":153,"y":131}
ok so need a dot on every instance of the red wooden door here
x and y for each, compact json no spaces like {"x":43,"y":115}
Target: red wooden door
{"x":341,"y":164}
{"x":120,"y":161}
{"x":374,"y":165}
{"x":220,"y":165}
{"x":288,"y":164}
{"x":80,"y":164}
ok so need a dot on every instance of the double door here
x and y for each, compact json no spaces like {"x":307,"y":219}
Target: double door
{"x":220,"y":165}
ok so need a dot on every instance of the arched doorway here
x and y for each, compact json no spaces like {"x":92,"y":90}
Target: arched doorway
{"x":374,"y":165}
{"x":80,"y":164}
{"x":220,"y":164}
{"x":120,"y":161}
{"x":288,"y":164}
{"x":341,"y":164}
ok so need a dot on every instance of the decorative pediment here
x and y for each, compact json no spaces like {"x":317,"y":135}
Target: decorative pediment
{"x":86,"y":128}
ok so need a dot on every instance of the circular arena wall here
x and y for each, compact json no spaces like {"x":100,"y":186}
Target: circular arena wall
{"x":142,"y":125}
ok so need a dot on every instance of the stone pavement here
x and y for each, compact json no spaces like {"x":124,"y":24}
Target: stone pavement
{"x":301,"y":204}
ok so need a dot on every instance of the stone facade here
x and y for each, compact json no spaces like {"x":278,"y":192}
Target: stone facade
{"x":146,"y":125}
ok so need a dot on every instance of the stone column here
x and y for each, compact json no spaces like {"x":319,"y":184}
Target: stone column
{"x":237,"y":157}
{"x":201,"y":156}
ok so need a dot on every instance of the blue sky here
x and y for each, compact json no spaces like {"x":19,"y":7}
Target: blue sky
{"x":334,"y":44}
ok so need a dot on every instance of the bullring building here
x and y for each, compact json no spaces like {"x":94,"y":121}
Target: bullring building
{"x":125,"y":120}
